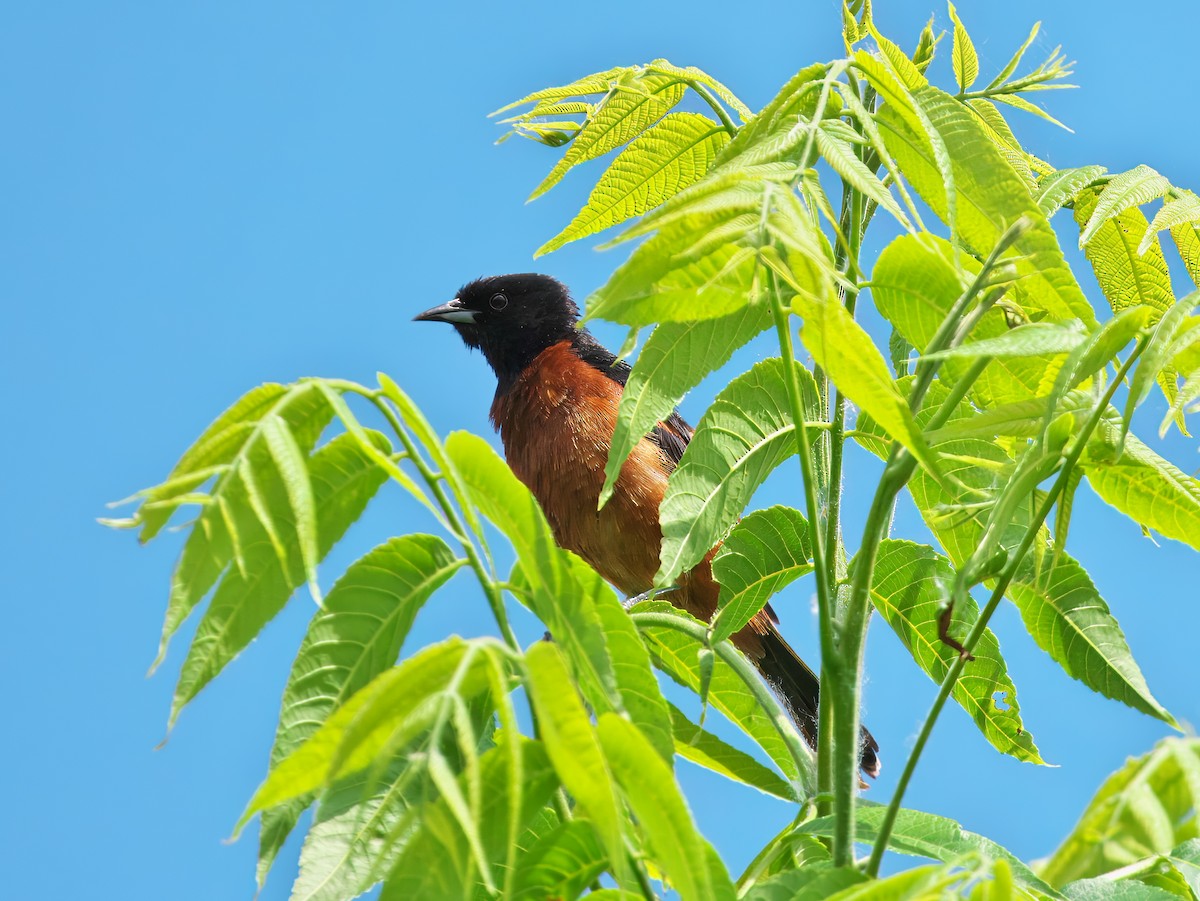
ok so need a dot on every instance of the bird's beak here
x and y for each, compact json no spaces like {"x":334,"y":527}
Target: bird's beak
{"x":453,"y":311}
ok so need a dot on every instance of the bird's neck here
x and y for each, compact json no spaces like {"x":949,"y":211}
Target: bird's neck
{"x":511,"y":357}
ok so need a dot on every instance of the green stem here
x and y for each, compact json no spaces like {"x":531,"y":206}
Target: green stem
{"x":852,"y":225}
{"x":780,"y":719}
{"x":707,"y":96}
{"x":897,"y":471}
{"x":1010,"y":571}
{"x":825,"y":607}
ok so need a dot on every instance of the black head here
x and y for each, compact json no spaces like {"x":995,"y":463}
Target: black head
{"x":511,"y":318}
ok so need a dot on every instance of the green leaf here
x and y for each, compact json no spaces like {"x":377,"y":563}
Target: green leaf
{"x":910,"y":587}
{"x":915,"y":284}
{"x":928,"y":835}
{"x":704,"y":749}
{"x":695,"y":77}
{"x":966,"y":60}
{"x":766,"y":551}
{"x":678,"y":656}
{"x":1124,"y":191}
{"x":843,"y":159}
{"x":1019,"y":102}
{"x":356,"y":636}
{"x":1097,"y":351}
{"x":580,"y":610}
{"x":557,"y":597}
{"x":209,"y":454}
{"x":343,"y":481}
{"x":1187,"y":239}
{"x":640,"y":697}
{"x":842,"y":348}
{"x":597,"y":83}
{"x":1146,"y":807}
{"x":742,"y":437}
{"x":293,"y":472}
{"x":1155,"y":361}
{"x":1128,"y":275}
{"x":574,"y":748}
{"x":675,"y":358}
{"x":1062,"y":185}
{"x":673,"y":277}
{"x":562,"y":864}
{"x":235,"y":443}
{"x":1067,"y":617}
{"x":1183,"y":210}
{"x":351,"y":836}
{"x":393,"y":708}
{"x":984,"y":196}
{"x":1060,"y":606}
{"x":618,"y":119}
{"x":926,"y":47}
{"x":1107,"y":890}
{"x":363,"y":822}
{"x":411,"y":416}
{"x":797,"y":97}
{"x":650,"y":790}
{"x":659,"y":163}
{"x":1148,"y":489}
{"x":812,"y":882}
{"x":1011,"y":66}
{"x":1029,"y":340}
{"x":442,"y":861}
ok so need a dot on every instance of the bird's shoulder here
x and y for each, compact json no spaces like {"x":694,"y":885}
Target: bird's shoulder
{"x":672,"y":434}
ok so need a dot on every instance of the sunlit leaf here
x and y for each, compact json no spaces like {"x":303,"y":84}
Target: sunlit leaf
{"x":356,"y":636}
{"x":1145,"y":487}
{"x":1146,"y":807}
{"x":743,"y":436}
{"x":988,"y":196}
{"x":650,"y":790}
{"x":844,"y":350}
{"x":966,"y":60}
{"x":1128,"y":189}
{"x":344,"y":480}
{"x":1062,"y":185}
{"x":619,"y":118}
{"x":707,"y":750}
{"x":766,"y":551}
{"x":910,"y":588}
{"x":928,"y":835}
{"x":813,"y":882}
{"x":1183,"y":210}
{"x":659,"y":163}
{"x":561,"y":865}
{"x":676,"y":356}
{"x":439,"y":861}
{"x":580,"y":610}
{"x":574,"y":747}
{"x":393,"y":707}
{"x":234,"y":441}
{"x":915,"y":284}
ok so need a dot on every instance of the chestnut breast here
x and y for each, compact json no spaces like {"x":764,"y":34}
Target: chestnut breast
{"x":556,"y":422}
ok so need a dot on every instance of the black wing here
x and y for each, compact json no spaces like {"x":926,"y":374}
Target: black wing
{"x":671,"y":436}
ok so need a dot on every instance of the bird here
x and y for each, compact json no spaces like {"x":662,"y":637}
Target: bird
{"x":555,"y":407}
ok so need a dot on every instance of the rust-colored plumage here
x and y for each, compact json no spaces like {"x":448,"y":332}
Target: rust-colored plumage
{"x":556,"y":408}
{"x":556,"y":422}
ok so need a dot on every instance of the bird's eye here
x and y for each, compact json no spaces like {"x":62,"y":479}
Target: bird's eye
{"x":498,"y":302}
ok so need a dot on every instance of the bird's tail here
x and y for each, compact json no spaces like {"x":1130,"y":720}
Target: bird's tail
{"x":800,"y":688}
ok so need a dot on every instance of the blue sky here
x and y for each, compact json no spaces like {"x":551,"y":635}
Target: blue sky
{"x":202,"y":197}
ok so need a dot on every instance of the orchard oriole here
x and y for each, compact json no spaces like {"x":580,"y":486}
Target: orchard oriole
{"x":556,"y":408}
